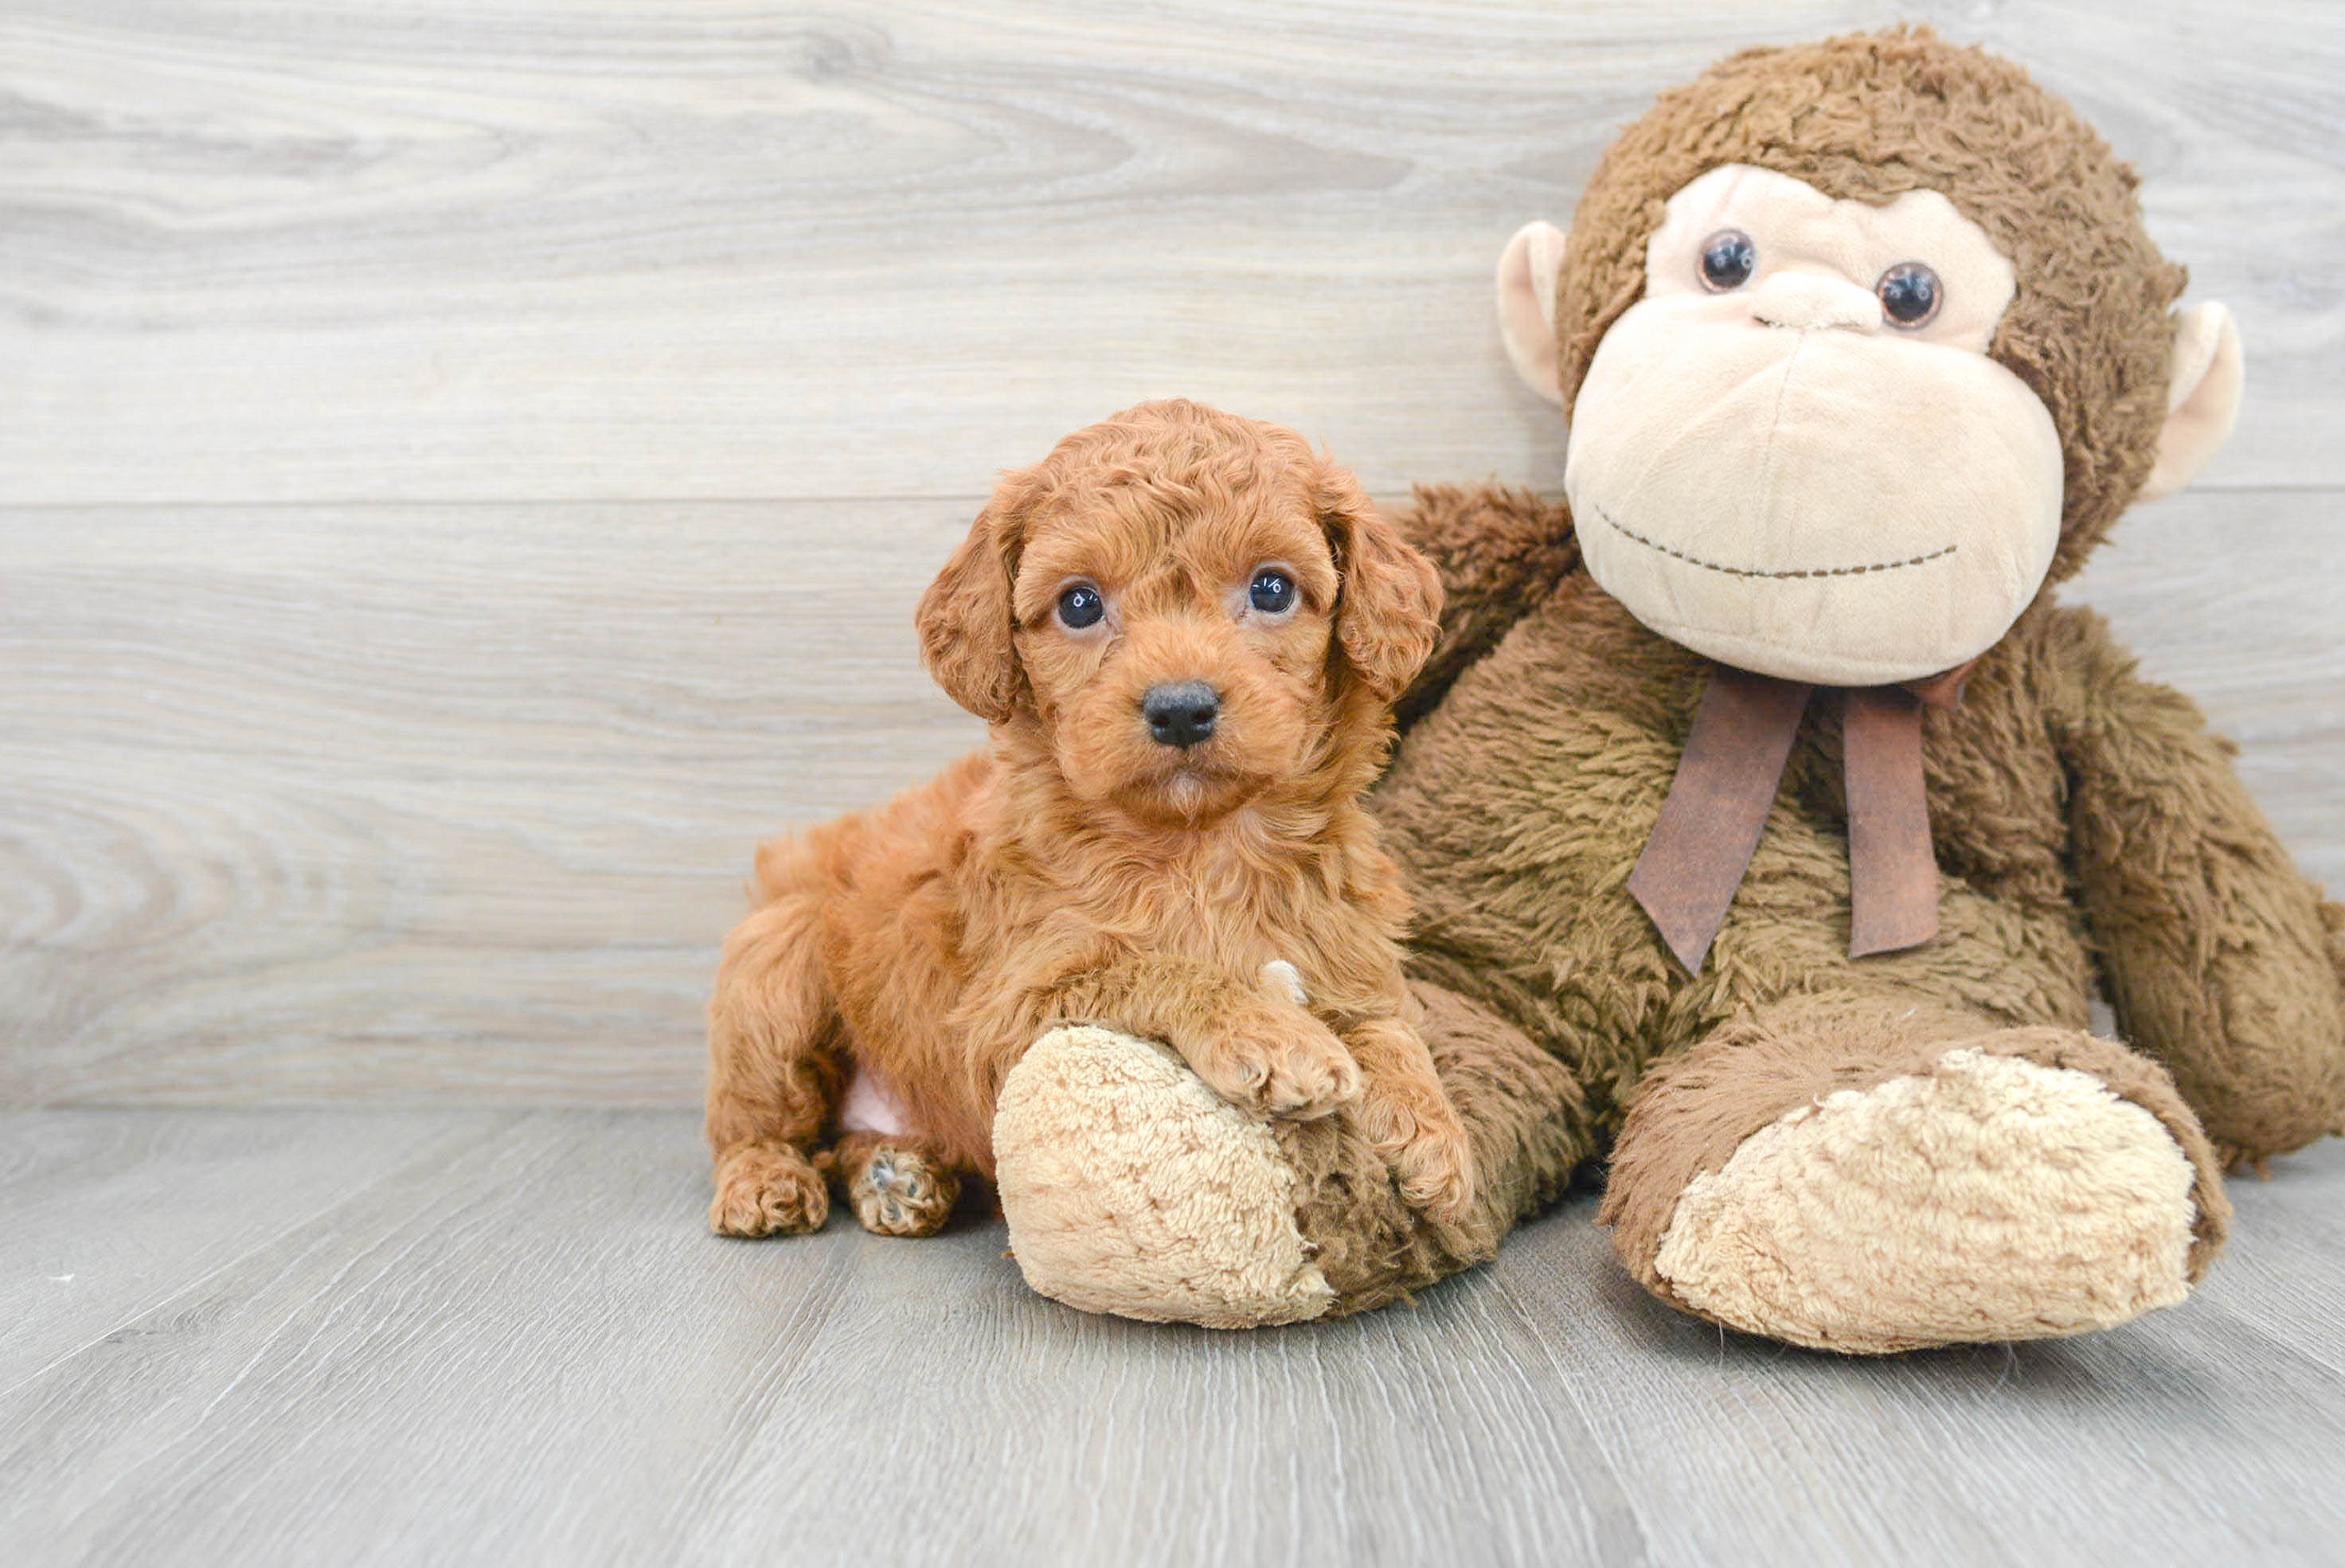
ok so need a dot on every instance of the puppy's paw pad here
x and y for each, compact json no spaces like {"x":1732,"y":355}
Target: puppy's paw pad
{"x":899,"y":1192}
{"x":767,"y":1191}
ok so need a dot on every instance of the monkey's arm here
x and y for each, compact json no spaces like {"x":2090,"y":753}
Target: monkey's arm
{"x":1498,"y":552}
{"x":2220,"y":958}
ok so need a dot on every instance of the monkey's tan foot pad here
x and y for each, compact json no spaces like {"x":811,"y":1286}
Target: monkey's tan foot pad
{"x":1992,"y":1198}
{"x":902,"y":1192}
{"x":1131,"y":1188}
{"x":764,"y":1189}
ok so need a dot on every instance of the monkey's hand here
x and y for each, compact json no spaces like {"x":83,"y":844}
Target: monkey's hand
{"x":2220,"y":957}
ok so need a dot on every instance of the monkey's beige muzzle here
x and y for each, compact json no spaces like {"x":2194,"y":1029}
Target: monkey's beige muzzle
{"x":1816,"y":501}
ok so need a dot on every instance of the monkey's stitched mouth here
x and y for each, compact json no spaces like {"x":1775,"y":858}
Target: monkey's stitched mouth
{"x":1627,"y":533}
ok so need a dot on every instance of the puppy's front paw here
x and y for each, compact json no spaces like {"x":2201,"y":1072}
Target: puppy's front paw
{"x":1418,"y":1135}
{"x":762,"y":1188}
{"x":1279,"y":1060}
{"x":1436,"y":1172}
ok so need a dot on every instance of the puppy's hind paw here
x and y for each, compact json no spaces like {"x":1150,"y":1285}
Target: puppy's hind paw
{"x":765,"y":1189}
{"x":902,"y":1192}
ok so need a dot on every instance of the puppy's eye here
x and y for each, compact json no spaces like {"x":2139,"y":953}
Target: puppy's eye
{"x":1272,"y":592}
{"x":1080,"y":605}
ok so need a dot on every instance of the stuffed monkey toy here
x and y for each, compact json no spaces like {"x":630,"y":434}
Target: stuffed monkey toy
{"x":1769,"y":825}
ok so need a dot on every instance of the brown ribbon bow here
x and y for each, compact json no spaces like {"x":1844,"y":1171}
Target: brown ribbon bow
{"x":1717,"y":806}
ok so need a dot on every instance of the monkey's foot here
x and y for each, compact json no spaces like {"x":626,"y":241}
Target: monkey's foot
{"x":1985,"y":1196}
{"x":1131,"y":1188}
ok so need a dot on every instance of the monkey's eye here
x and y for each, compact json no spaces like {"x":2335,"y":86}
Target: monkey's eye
{"x":1728,"y":259}
{"x":1272,"y":592}
{"x":1910,"y":294}
{"x":1080,"y":605}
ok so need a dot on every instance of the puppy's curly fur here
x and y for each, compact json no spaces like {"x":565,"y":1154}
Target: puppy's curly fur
{"x":1086,"y":867}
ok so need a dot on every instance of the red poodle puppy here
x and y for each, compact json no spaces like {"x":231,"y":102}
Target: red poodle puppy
{"x":1185,"y":629}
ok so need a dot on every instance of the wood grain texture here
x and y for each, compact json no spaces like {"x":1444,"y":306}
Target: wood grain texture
{"x":464,"y":475}
{"x":452,"y":804}
{"x":427,"y":803}
{"x":524,"y":1349}
{"x":564,"y":248}
{"x":104,"y":1218}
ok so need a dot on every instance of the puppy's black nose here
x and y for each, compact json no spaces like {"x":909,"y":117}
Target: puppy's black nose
{"x":1183,"y":713}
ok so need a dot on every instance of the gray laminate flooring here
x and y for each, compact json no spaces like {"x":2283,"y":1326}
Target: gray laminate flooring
{"x":502,"y":1337}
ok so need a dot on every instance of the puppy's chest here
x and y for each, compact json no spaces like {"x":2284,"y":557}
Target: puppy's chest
{"x":1228,"y":917}
{"x":1224,"y":925}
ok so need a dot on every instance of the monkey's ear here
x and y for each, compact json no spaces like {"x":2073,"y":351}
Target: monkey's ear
{"x":966,"y":618}
{"x":1528,"y":270}
{"x":1388,"y":602}
{"x":2202,"y":398}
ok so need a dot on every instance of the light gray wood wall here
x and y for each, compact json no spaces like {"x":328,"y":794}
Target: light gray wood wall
{"x":466,"y":472}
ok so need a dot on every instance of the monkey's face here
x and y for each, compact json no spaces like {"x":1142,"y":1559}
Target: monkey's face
{"x":1793,"y":453}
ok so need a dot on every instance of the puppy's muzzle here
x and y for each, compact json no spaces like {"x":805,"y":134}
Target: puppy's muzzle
{"x":1182,"y":713}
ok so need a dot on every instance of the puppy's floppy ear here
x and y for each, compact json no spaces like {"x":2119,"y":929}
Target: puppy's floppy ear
{"x":966,"y":618}
{"x":1388,"y":609}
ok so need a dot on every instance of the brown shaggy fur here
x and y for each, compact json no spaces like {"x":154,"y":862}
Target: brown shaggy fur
{"x":1082,"y":871}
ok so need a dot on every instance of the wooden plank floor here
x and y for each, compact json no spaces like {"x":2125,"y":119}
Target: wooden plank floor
{"x":502,"y":1337}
